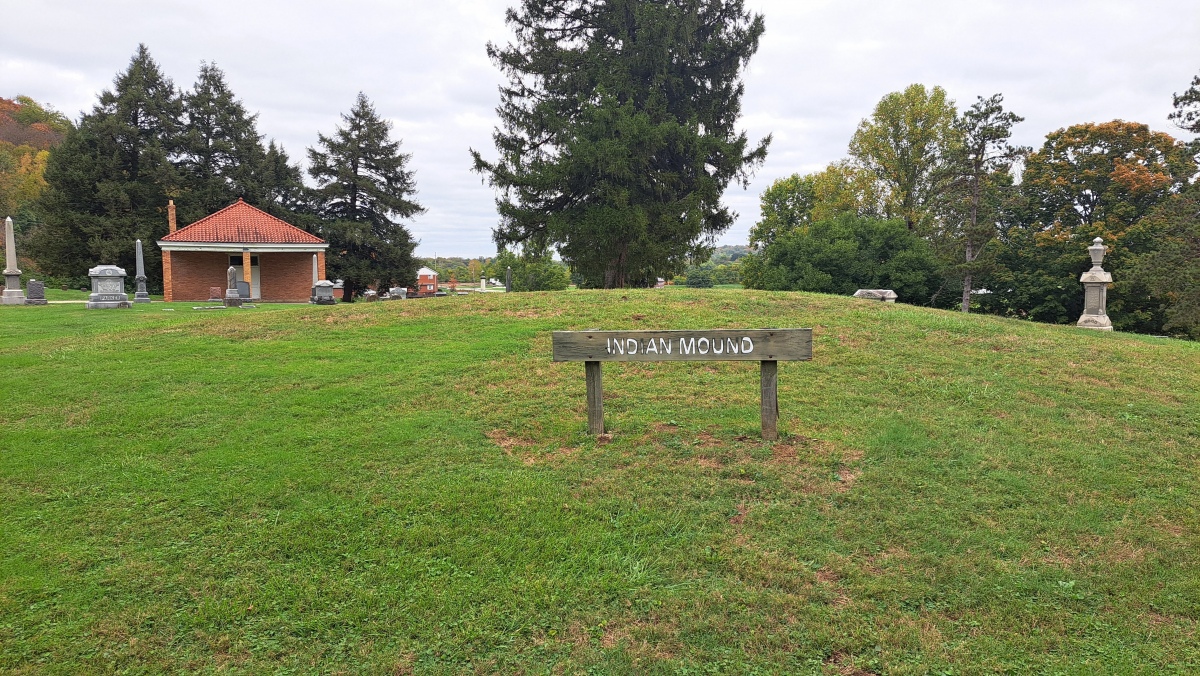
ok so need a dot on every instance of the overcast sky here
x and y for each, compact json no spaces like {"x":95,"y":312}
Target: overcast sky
{"x":820,"y":68}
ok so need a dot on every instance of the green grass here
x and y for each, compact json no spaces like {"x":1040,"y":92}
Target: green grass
{"x":408,"y":487}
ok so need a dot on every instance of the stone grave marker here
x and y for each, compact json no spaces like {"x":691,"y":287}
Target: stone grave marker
{"x":35,"y":293}
{"x":108,"y":288}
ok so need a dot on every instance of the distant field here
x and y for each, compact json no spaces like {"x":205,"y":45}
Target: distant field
{"x":407,"y":487}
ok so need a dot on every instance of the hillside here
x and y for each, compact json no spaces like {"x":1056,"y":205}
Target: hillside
{"x":407,"y":486}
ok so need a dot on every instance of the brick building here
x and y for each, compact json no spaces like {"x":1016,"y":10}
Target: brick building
{"x":273,"y":256}
{"x":427,"y":281}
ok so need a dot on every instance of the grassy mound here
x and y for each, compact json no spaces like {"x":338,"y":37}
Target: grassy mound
{"x":407,"y":486}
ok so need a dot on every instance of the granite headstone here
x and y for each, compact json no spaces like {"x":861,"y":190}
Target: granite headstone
{"x":35,"y":293}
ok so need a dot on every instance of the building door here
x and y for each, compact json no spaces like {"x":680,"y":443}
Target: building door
{"x":236,"y":262}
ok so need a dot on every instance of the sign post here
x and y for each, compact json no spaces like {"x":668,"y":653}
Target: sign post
{"x":766,"y":346}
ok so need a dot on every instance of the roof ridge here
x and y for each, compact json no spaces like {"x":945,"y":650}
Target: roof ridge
{"x":221,"y":220}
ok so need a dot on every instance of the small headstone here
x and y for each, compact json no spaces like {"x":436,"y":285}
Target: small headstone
{"x":323,"y":293}
{"x":370,"y":296}
{"x":35,"y":293}
{"x":108,"y":288}
{"x":885,"y":295}
{"x":232,"y":297}
{"x":398,"y":293}
{"x":214,"y":294}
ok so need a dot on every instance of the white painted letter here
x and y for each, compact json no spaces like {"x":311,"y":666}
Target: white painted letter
{"x":718,"y":346}
{"x":664,"y":345}
{"x":685,"y":347}
{"x":618,"y":347}
{"x":702,"y":345}
{"x":747,"y":345}
{"x":732,"y":346}
{"x":632,"y":345}
{"x":651,"y":347}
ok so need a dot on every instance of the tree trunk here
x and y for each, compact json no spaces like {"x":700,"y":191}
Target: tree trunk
{"x":966,"y":301}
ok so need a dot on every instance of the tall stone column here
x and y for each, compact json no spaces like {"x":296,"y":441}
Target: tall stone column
{"x":140,"y":296}
{"x":13,"y":295}
{"x":1095,"y":291}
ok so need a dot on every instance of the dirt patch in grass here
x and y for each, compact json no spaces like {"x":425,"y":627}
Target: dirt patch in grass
{"x":843,"y":664}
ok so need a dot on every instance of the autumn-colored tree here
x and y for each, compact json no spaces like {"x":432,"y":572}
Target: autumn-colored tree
{"x":28,"y":130}
{"x":908,"y":143}
{"x":474,"y":269}
{"x":1087,"y":181}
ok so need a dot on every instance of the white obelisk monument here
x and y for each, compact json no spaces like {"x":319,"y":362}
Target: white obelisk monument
{"x":13,"y":295}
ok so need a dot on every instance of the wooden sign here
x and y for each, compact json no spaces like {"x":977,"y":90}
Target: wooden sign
{"x":767,"y":346}
{"x":716,"y":345}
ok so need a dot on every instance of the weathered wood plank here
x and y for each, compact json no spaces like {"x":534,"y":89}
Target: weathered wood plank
{"x":714,"y":345}
{"x":769,"y":403}
{"x":595,"y":397}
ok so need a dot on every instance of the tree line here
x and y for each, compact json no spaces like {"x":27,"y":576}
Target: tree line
{"x":146,"y":142}
{"x":938,"y":205}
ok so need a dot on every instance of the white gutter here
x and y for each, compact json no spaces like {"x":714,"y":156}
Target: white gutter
{"x":234,"y":247}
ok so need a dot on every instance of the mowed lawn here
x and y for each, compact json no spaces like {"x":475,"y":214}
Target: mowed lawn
{"x":407,"y":487}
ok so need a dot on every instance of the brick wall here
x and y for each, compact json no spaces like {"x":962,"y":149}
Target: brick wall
{"x":191,"y":273}
{"x":285,"y":277}
{"x":282,"y":277}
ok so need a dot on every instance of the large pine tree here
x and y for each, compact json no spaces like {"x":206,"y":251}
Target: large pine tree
{"x":222,"y":156}
{"x":618,"y":131}
{"x":363,"y":189}
{"x":109,"y":181}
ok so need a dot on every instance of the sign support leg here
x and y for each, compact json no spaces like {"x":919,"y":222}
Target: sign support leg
{"x":770,"y":401}
{"x":595,"y":398}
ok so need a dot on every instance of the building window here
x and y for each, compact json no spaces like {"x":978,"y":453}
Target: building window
{"x":237,"y":260}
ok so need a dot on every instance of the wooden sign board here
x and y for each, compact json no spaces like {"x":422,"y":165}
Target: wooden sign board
{"x":716,"y":345}
{"x":766,"y":346}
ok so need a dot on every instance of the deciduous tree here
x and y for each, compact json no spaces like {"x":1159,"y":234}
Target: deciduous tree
{"x":908,"y":143}
{"x":618,"y":131}
{"x":841,"y":188}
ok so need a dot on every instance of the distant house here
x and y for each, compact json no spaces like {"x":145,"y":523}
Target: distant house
{"x":427,"y":281}
{"x":273,"y":256}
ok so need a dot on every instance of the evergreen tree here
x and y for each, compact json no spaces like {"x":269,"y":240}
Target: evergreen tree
{"x":108,"y":183}
{"x":222,"y":156}
{"x":983,"y":162}
{"x":618,"y":132}
{"x":362,"y":187}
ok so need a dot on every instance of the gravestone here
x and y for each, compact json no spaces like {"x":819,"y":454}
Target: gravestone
{"x":214,"y":294}
{"x":12,"y":275}
{"x":885,"y":295}
{"x":370,"y":296}
{"x":108,"y":288}
{"x":232,"y":297}
{"x":140,"y":295}
{"x":398,"y":293}
{"x":323,"y":293}
{"x":1095,"y":291}
{"x":35,"y":293}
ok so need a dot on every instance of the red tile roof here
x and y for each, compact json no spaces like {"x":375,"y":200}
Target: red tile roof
{"x":240,"y":223}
